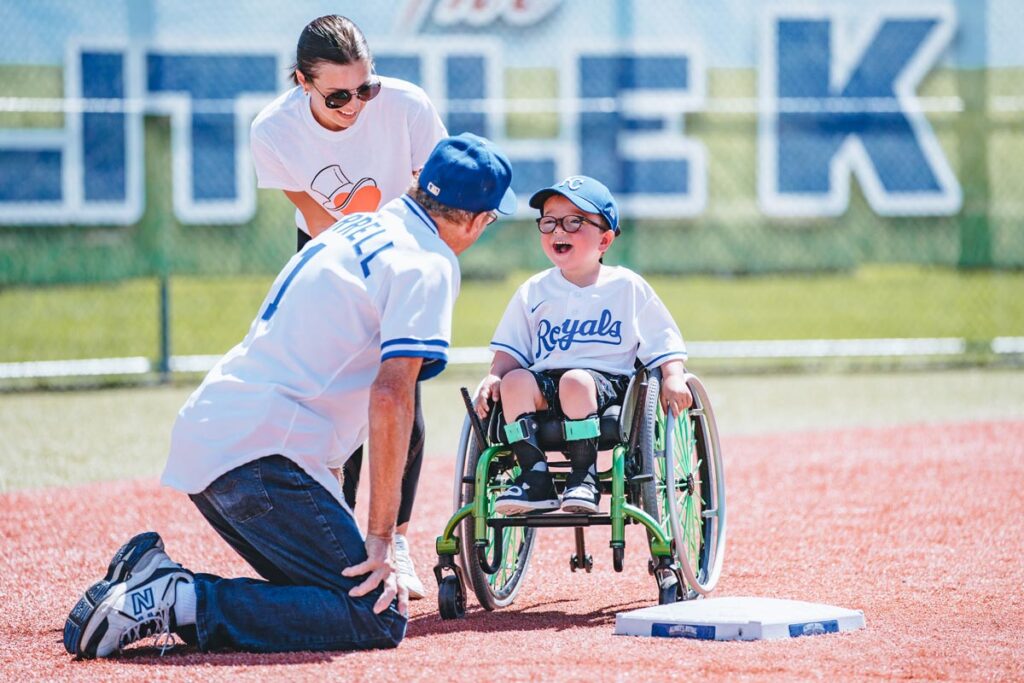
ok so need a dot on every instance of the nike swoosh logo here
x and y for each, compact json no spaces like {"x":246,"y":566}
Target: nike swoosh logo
{"x":537,"y":306}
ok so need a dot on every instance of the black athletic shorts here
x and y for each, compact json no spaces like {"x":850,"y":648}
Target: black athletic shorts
{"x":301,"y":239}
{"x":610,"y":388}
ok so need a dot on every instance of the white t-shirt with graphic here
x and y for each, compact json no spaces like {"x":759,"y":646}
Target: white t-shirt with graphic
{"x":356,"y":169}
{"x":372,"y":287}
{"x":552,"y":324}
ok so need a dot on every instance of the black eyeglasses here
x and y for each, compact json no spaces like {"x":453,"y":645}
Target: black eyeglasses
{"x":547,"y":224}
{"x":339,"y":98}
{"x":491,"y":217}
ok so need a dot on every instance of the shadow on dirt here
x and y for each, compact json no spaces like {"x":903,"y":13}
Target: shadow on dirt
{"x":544,"y":616}
{"x":185,"y":655}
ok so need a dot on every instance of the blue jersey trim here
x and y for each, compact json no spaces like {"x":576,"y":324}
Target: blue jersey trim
{"x":420,"y":213}
{"x":654,"y":362}
{"x":431,"y":369}
{"x":434,"y":362}
{"x":400,"y":353}
{"x":526,"y":363}
{"x":409,"y":340}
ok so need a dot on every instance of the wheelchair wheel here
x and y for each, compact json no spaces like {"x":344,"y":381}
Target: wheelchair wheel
{"x":689,"y":486}
{"x":668,"y":593}
{"x":695,"y":500}
{"x":450,"y":598}
{"x":651,"y":456}
{"x":648,"y":443}
{"x":500,"y":588}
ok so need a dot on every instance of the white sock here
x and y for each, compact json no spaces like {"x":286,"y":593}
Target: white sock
{"x":185,"y":603}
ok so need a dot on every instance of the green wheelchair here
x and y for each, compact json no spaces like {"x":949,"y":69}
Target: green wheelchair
{"x":666,"y":474}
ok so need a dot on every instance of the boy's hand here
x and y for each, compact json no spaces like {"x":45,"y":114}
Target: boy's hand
{"x":489,"y":389}
{"x":675,"y":394}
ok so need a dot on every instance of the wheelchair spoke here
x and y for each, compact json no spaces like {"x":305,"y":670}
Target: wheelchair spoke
{"x":512,"y":537}
{"x":498,"y":588}
{"x":686,"y":494}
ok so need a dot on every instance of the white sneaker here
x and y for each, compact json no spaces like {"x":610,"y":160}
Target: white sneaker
{"x":118,"y":614}
{"x":406,"y":570}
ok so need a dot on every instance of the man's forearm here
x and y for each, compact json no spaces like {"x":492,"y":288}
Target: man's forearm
{"x":392,"y":406}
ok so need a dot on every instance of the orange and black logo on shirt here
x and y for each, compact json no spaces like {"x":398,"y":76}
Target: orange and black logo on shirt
{"x":338,"y":193}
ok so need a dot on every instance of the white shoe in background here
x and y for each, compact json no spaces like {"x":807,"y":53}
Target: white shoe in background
{"x":406,"y":569}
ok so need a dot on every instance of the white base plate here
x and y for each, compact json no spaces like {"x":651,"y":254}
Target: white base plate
{"x":738,"y":618}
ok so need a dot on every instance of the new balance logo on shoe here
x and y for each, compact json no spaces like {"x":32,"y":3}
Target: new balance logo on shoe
{"x":142,"y":601}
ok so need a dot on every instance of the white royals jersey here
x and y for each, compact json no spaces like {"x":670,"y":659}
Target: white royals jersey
{"x":372,"y":287}
{"x":352,"y":170}
{"x":552,"y":324}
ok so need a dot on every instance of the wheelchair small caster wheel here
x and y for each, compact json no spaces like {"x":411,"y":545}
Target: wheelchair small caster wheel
{"x":617,"y":557}
{"x":451,"y":601}
{"x":586,"y":563}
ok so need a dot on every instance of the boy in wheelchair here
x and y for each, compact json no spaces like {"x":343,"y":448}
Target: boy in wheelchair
{"x":567,"y":345}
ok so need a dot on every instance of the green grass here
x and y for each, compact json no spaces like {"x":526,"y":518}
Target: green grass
{"x":877,"y":302}
{"x":209,"y":315}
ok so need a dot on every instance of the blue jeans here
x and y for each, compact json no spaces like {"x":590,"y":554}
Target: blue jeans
{"x":299,"y":538}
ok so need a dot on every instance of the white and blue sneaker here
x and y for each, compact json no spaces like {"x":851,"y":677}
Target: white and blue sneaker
{"x":135,"y":558}
{"x":139,"y":552}
{"x":532,"y":491}
{"x":582,"y":495}
{"x":137,"y":603}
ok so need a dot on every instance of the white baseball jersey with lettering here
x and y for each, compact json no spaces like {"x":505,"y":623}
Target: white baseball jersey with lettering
{"x":553,"y":324}
{"x":372,"y":287}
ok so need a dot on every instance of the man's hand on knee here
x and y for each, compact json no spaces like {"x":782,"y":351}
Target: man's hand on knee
{"x":381,"y":570}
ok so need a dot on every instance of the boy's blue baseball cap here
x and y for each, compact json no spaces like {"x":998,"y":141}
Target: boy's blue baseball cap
{"x":469,"y":172}
{"x":586,"y":193}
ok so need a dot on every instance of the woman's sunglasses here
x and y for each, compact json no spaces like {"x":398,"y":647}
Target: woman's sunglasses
{"x":339,"y":98}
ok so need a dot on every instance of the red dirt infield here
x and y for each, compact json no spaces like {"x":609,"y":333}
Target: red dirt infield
{"x":919,"y":526}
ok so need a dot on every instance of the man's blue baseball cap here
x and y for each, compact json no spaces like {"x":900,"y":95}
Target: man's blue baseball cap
{"x":586,"y":193}
{"x":469,"y":172}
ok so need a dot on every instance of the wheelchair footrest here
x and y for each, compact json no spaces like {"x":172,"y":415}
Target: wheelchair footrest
{"x":551,"y":520}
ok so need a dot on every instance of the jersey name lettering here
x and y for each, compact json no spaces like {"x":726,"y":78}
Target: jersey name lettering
{"x":603,"y":330}
{"x":365,"y":245}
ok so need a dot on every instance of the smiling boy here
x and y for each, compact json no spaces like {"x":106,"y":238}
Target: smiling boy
{"x":568,"y":342}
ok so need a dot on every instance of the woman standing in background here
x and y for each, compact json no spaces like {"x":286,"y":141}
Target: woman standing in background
{"x":346,"y":140}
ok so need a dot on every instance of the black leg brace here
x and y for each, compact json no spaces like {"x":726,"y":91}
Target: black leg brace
{"x":582,"y":452}
{"x":521,"y":435}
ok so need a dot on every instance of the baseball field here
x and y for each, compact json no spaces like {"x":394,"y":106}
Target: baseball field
{"x":897,"y":494}
{"x":798,"y":173}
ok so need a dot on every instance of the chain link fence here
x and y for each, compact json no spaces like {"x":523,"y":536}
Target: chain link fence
{"x":840,"y":149}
